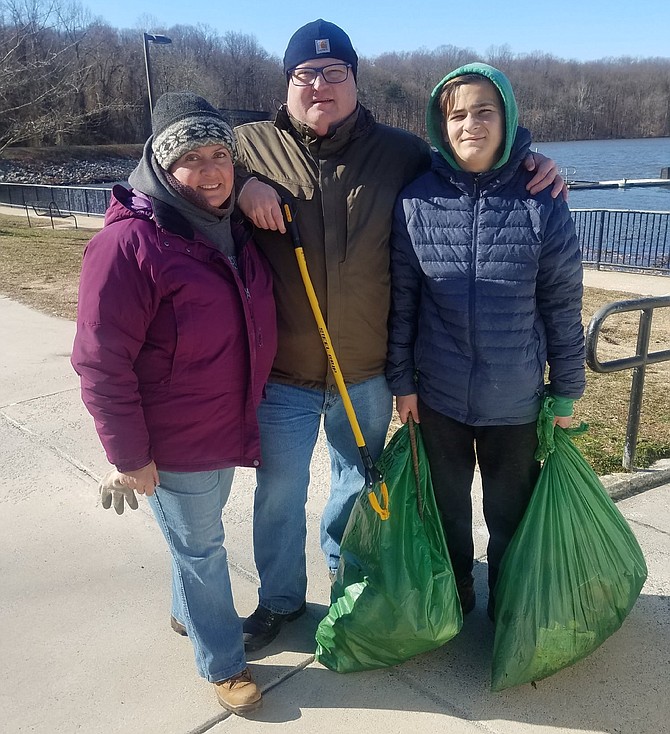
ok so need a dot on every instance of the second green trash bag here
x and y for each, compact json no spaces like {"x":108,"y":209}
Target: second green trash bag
{"x":394,"y":596}
{"x":571,"y":573}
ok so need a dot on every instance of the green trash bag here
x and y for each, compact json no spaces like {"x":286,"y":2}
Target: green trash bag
{"x":394,"y":595}
{"x":571,"y":573}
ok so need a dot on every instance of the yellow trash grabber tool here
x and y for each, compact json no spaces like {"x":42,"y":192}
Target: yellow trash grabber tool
{"x":373,"y":478}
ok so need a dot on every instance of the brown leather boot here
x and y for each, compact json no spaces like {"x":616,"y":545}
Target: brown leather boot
{"x":178,"y":627}
{"x":239,"y":694}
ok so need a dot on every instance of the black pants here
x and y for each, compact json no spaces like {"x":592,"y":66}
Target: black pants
{"x":509,"y":472}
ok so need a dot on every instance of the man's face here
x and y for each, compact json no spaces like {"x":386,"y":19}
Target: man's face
{"x":322,"y":105}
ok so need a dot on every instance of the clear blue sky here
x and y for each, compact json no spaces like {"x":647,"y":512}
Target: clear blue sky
{"x":574,"y":29}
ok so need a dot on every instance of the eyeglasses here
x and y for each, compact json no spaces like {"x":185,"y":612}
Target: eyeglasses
{"x":332,"y":74}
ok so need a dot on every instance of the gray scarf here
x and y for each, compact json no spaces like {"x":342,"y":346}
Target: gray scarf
{"x":150,"y":179}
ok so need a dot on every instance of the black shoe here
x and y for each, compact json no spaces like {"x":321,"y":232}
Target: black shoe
{"x":466,"y":595}
{"x":260,"y":628}
{"x":178,"y":627}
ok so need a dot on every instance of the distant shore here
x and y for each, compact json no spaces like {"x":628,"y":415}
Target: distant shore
{"x":71,"y":173}
{"x":72,"y":166}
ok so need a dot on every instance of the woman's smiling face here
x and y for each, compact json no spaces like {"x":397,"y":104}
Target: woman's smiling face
{"x":207,"y":170}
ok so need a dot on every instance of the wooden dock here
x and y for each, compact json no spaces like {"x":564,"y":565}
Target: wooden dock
{"x":624,"y":183}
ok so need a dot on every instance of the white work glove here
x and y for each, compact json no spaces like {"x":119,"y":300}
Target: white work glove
{"x":112,"y":489}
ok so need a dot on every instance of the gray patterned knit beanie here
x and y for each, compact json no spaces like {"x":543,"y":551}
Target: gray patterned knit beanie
{"x":182,"y":121}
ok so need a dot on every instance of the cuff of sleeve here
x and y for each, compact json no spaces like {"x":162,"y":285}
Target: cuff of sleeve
{"x":402,"y":387}
{"x":562,"y":407}
{"x":241,"y":183}
{"x":131,"y":464}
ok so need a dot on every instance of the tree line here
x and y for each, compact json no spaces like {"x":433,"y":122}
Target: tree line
{"x":69,"y":79}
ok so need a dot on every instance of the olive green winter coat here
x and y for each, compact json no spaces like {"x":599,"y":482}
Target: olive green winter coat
{"x":345,"y":186}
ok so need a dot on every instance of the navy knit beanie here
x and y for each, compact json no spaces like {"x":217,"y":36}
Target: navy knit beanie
{"x":182,"y":121}
{"x":319,"y":38}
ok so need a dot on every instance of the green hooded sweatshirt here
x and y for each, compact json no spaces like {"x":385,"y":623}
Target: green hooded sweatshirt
{"x":434,"y":116}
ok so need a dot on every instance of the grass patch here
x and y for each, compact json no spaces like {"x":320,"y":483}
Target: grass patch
{"x":40,"y":268}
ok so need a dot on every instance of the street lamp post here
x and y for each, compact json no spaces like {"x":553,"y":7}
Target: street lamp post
{"x":152,"y":38}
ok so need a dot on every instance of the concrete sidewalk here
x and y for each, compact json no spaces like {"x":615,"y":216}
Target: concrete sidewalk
{"x":84,"y":221}
{"x":85,"y":604}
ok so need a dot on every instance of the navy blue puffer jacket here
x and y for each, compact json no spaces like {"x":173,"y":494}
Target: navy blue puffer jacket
{"x":486,"y":290}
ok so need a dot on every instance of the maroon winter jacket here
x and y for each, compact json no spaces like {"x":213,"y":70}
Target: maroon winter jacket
{"x":173,"y":344}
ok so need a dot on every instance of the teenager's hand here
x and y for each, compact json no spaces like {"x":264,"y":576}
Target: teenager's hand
{"x":546,"y":174}
{"x":261,"y":204}
{"x":563,"y":421}
{"x":406,"y":405}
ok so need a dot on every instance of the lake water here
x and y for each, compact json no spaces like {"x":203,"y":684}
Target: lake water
{"x":609,"y":160}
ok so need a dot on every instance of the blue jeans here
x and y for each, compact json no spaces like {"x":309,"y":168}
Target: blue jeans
{"x":188,"y":507}
{"x":289,"y":419}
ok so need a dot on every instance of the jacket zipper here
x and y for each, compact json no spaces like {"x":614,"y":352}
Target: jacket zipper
{"x":471,"y":300}
{"x":254,"y":333}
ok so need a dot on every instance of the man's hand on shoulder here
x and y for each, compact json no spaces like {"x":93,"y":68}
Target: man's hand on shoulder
{"x":546,"y":174}
{"x":261,"y":204}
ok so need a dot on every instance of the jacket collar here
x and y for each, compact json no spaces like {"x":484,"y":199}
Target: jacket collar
{"x":359,"y":123}
{"x":138,"y":205}
{"x":169,"y":218}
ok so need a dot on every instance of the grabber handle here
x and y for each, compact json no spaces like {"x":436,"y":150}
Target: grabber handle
{"x":320,"y":322}
{"x":372,"y":475}
{"x":374,"y":478}
{"x":291,"y":225}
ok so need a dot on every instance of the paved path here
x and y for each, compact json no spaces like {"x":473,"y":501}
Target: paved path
{"x":611,"y":280}
{"x":84,"y":221}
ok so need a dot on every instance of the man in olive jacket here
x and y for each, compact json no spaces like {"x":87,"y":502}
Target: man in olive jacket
{"x":344,"y":171}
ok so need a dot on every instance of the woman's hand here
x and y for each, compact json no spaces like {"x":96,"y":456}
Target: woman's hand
{"x":407,"y":405}
{"x":262,"y":205}
{"x":546,"y":174}
{"x":119,"y":487}
{"x":143,"y":480}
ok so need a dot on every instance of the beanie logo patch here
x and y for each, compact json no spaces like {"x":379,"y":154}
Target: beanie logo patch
{"x":322,"y":45}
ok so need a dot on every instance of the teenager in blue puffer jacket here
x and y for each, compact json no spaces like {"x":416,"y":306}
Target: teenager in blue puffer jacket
{"x":486,"y":291}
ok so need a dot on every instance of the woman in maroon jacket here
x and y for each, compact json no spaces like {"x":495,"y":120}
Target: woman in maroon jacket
{"x":175,"y":338}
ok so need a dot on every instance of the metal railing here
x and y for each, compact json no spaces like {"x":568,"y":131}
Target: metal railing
{"x":624,"y":239}
{"x":637,"y":363}
{"x":72,"y":199}
{"x":617,"y":239}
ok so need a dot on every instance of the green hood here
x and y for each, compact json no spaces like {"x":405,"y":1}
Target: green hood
{"x":434,"y":113}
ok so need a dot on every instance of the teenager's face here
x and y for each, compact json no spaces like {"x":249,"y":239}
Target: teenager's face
{"x":322,"y":105}
{"x":475,"y":126}
{"x":207,"y":170}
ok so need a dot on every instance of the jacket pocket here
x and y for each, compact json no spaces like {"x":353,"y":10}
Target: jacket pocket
{"x":185,"y":333}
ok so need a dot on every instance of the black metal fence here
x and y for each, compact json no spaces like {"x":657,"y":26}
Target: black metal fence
{"x":74,"y":199}
{"x":611,"y":238}
{"x":624,"y":240}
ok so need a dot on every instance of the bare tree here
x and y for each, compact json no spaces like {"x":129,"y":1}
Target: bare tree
{"x":67,"y":78}
{"x":44,"y":73}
